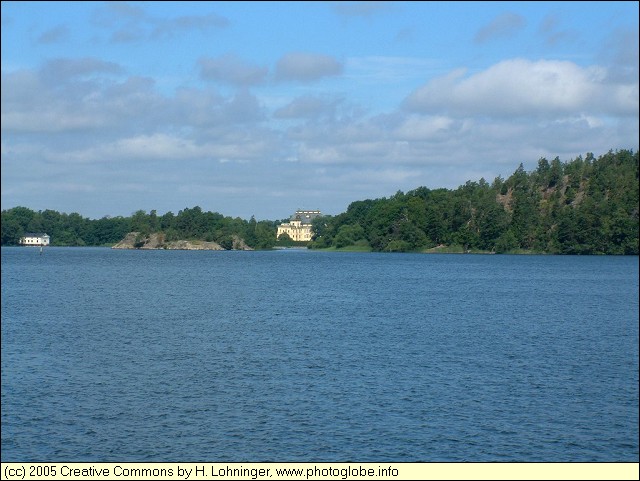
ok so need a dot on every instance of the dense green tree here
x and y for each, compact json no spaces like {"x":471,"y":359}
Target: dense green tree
{"x":506,"y":242}
{"x":555,"y":172}
{"x":348,"y":234}
{"x":285,"y":240}
{"x":322,"y":229}
{"x":543,"y":172}
{"x":12,"y":230}
{"x":584,"y":206}
{"x":264,"y":235}
{"x":140,"y":222}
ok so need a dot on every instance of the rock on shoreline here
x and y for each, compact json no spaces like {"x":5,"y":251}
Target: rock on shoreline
{"x":133,"y":240}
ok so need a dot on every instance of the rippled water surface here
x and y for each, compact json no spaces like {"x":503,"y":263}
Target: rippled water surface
{"x":296,"y":355}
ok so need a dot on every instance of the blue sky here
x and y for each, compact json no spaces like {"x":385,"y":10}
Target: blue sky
{"x":262,"y":108}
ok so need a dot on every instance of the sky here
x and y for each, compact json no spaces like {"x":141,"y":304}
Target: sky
{"x":262,"y":108}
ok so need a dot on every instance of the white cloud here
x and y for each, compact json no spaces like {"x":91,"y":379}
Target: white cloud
{"x":60,"y":99}
{"x":243,"y":107}
{"x":130,"y":23}
{"x":86,"y":123}
{"x":620,"y":54}
{"x":526,"y":88}
{"x":154,"y":147}
{"x":308,"y":106}
{"x":307,"y":67}
{"x":62,"y":69}
{"x":231,"y":69}
{"x":320,"y":155}
{"x":170,"y":27}
{"x":424,"y":127}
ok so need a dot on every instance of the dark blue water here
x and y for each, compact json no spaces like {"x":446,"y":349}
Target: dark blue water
{"x":111,"y":355}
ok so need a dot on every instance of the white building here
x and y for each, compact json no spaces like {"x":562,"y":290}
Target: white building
{"x":299,"y":225}
{"x":37,"y":239}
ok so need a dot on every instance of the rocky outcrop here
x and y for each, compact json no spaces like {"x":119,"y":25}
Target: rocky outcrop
{"x":192,"y":246}
{"x":134,"y":240}
{"x":128,"y":241}
{"x":239,"y":244}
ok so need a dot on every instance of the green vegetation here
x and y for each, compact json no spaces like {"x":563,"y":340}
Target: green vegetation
{"x":284,"y":240}
{"x":188,"y":224}
{"x":584,"y":206}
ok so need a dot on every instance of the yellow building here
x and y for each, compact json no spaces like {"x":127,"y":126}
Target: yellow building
{"x":299,"y":225}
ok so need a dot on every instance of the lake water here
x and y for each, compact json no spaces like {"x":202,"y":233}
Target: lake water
{"x":296,"y":355}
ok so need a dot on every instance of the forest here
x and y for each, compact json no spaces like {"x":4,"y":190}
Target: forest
{"x":190,"y":223}
{"x":587,"y":205}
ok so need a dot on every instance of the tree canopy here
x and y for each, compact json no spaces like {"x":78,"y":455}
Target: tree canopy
{"x":584,"y":206}
{"x":190,"y":223}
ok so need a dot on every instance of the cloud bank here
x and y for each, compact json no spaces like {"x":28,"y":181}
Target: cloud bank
{"x":300,"y":127}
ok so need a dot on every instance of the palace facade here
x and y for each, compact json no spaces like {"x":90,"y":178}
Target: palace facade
{"x":299,"y":225}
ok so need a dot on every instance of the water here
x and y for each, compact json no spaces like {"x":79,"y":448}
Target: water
{"x":295,"y":355}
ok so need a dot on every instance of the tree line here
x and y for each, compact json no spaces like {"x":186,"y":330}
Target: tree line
{"x":584,"y":206}
{"x":190,"y":223}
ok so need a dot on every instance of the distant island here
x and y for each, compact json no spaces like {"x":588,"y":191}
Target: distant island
{"x":587,"y":206}
{"x":136,"y":240}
